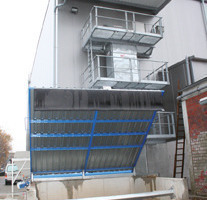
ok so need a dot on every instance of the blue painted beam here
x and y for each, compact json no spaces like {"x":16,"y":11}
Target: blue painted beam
{"x":59,"y":148}
{"x":57,"y":175}
{"x":47,"y":121}
{"x":86,"y":121}
{"x":58,"y":135}
{"x":108,"y":173}
{"x":116,"y":147}
{"x":80,"y":170}
{"x":123,"y":121}
{"x":118,"y":134}
{"x":54,"y":135}
{"x":80,"y":174}
{"x":110,"y":169}
{"x":91,"y":139}
{"x":84,"y":148}
{"x":58,"y":172}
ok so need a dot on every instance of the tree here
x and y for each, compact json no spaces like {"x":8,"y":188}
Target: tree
{"x":5,"y":147}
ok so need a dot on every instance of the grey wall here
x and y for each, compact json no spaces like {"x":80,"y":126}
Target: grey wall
{"x":158,"y":159}
{"x":103,"y":187}
{"x":199,"y":70}
{"x":184,"y":35}
{"x":177,"y":73}
{"x":71,"y":59}
{"x":184,"y":32}
{"x":42,"y":72}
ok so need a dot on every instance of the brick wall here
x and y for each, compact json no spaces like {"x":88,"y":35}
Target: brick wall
{"x":197,"y":118}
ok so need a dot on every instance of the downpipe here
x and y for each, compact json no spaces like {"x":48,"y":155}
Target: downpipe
{"x":191,"y":92}
{"x":188,"y":71}
{"x":55,"y":57}
{"x":204,"y":14}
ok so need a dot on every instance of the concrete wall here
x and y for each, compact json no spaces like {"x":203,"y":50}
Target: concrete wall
{"x":159,"y":159}
{"x":109,"y":186}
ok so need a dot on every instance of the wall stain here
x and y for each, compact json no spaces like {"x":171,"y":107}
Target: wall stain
{"x":69,"y":185}
{"x":151,"y":181}
{"x":37,"y":191}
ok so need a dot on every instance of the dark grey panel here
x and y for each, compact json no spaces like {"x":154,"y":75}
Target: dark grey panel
{"x":123,"y":115}
{"x":62,"y":99}
{"x":58,"y":160}
{"x":64,"y":115}
{"x":60,"y":142}
{"x":61,"y":128}
{"x":118,"y":140}
{"x":112,"y":158}
{"x":126,"y":127}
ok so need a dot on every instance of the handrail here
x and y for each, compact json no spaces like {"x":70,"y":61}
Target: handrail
{"x":139,"y":59}
{"x":156,"y":70}
{"x":123,"y":20}
{"x":161,"y":120}
{"x":142,"y":73}
{"x":115,"y":9}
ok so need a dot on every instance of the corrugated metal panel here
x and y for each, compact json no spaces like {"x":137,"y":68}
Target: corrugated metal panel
{"x":116,"y":158}
{"x":56,"y":161}
{"x":61,"y":128}
{"x":72,"y":140}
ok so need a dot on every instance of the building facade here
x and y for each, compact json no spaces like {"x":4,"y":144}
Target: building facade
{"x":97,"y":86}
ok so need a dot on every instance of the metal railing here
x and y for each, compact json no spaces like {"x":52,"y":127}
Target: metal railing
{"x":128,"y":69}
{"x":163,"y":126}
{"x":128,"y":21}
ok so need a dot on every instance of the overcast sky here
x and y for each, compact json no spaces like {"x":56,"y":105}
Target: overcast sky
{"x":21,"y":23}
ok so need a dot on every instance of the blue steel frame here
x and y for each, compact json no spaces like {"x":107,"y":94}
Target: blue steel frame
{"x":87,"y":172}
{"x":30,"y":141}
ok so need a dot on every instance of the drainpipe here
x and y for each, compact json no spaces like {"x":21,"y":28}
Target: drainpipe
{"x":204,"y":13}
{"x":188,"y":70}
{"x":198,"y":89}
{"x":55,"y":61}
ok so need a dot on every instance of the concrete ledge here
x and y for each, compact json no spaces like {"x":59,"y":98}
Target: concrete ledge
{"x":77,"y":189}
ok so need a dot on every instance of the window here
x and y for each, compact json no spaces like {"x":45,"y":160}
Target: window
{"x":9,"y":168}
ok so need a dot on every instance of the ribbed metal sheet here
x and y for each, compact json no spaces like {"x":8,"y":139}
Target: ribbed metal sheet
{"x":108,"y":158}
{"x":55,"y":161}
{"x":72,"y":139}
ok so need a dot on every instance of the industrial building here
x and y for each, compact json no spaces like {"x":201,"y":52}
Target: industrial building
{"x":111,"y":94}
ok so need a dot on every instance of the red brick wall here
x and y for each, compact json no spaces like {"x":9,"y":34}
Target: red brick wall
{"x":197,"y":119}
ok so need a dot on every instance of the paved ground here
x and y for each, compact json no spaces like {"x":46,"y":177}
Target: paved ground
{"x":6,"y":188}
{"x":5,"y":192}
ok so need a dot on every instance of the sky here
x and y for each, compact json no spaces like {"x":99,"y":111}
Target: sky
{"x":20,"y":27}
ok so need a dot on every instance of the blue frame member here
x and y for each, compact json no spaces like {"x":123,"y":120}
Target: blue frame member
{"x":94,"y":103}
